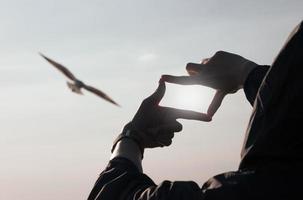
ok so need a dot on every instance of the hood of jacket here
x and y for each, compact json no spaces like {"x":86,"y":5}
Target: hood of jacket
{"x":275,"y":132}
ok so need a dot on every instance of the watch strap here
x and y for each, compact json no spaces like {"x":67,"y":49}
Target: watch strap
{"x":129,"y":133}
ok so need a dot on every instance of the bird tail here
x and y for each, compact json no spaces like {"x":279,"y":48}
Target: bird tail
{"x":74,"y":88}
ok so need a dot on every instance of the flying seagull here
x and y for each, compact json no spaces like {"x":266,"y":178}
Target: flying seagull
{"x":76,"y":85}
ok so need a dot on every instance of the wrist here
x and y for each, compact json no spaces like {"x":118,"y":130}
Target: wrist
{"x":131,"y":133}
{"x":248,"y":66}
{"x":127,"y":148}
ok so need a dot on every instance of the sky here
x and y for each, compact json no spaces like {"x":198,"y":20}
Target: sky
{"x":54,"y":143}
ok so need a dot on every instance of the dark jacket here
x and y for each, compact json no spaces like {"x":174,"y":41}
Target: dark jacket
{"x":272,"y":153}
{"x":274,"y":133}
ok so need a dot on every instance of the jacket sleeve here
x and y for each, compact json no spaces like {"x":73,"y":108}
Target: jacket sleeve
{"x":122,"y":180}
{"x":253,"y":82}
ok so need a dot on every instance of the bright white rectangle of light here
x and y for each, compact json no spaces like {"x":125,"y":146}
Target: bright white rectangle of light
{"x":189,"y":97}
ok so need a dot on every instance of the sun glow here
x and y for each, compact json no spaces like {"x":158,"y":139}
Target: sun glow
{"x":195,"y":97}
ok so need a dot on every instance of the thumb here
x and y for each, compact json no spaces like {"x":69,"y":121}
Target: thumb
{"x":156,"y":97}
{"x":215,"y":103}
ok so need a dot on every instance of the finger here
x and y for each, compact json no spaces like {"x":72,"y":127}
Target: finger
{"x":165,"y":139}
{"x":156,"y":97}
{"x":182,"y":80}
{"x":208,"y":80}
{"x":205,"y":60}
{"x":194,"y":68}
{"x":165,"y":128}
{"x":164,"y":143}
{"x":162,"y":135}
{"x":174,"y":113}
{"x":166,"y":136}
{"x":215,"y":103}
{"x":173,"y":126}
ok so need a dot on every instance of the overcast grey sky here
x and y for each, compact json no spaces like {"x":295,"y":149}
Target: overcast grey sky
{"x":54,"y":143}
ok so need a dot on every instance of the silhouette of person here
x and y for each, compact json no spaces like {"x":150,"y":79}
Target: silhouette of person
{"x":272,"y":156}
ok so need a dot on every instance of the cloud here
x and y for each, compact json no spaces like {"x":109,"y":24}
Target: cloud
{"x":148,"y":57}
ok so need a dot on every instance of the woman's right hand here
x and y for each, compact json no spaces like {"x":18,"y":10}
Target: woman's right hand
{"x":224,"y":72}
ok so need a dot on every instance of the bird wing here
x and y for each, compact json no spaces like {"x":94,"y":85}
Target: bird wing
{"x":60,"y":67}
{"x":100,"y":94}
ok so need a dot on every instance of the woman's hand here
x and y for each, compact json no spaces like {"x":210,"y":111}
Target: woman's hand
{"x":155,"y":125}
{"x":224,"y":72}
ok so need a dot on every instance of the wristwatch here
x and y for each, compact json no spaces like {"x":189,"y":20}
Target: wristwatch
{"x":130,"y":132}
